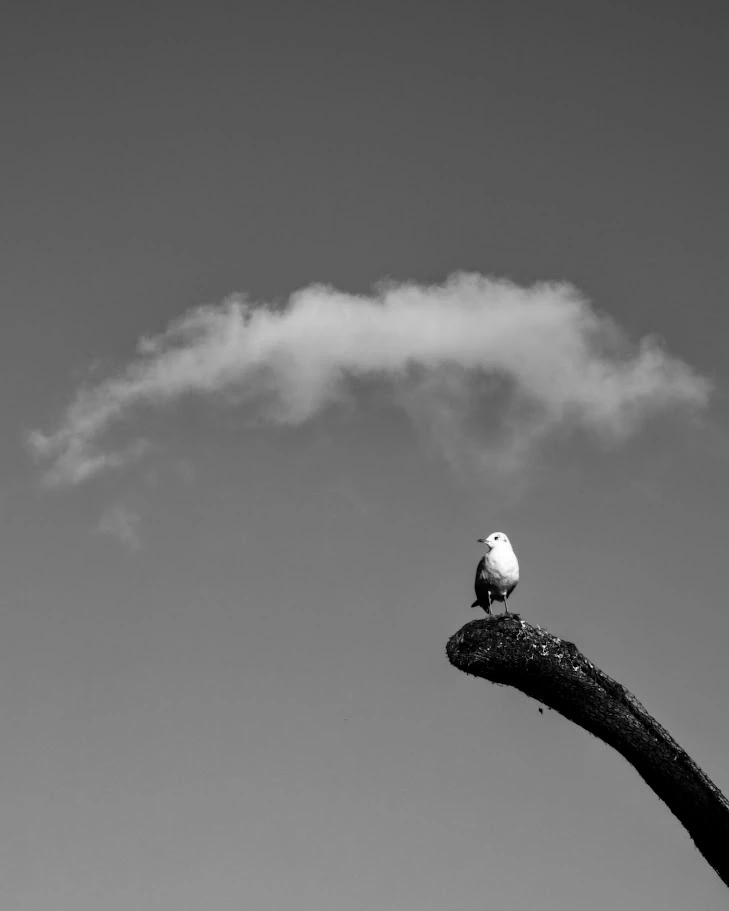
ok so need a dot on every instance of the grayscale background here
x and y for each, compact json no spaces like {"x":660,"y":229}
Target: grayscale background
{"x":222,"y":672}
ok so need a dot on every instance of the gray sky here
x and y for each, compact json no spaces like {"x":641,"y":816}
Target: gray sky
{"x":222,"y":662}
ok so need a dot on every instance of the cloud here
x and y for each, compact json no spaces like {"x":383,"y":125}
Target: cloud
{"x":121,"y":523}
{"x":484,"y":363}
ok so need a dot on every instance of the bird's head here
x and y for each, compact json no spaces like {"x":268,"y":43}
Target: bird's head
{"x":497,"y":539}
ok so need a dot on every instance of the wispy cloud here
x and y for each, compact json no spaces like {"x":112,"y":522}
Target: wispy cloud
{"x":540,"y":357}
{"x":121,"y":523}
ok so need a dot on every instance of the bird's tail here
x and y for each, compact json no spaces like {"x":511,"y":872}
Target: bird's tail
{"x":475,"y":604}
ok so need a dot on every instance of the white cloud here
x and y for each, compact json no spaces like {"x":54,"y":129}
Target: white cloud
{"x":121,"y":523}
{"x":540,"y":354}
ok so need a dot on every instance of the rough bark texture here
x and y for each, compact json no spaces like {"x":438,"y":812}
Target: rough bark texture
{"x":506,"y":650}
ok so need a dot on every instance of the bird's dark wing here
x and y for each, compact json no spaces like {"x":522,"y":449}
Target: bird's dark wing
{"x":480,"y":584}
{"x":479,"y":571}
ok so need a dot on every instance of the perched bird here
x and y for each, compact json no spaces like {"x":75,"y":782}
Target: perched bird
{"x":498,"y":572}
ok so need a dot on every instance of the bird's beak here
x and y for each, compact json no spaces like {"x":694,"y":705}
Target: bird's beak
{"x":486,"y":545}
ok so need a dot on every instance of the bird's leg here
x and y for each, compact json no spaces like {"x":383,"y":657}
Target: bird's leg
{"x":488,"y":609}
{"x":506,"y":604}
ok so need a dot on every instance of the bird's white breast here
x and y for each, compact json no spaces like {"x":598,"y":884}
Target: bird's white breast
{"x":502,"y":568}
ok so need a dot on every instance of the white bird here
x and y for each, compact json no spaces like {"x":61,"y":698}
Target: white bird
{"x":498,"y":572}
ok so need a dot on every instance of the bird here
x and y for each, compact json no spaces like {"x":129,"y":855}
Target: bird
{"x":497,"y":574}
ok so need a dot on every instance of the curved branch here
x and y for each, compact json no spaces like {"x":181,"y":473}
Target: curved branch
{"x":506,"y":650}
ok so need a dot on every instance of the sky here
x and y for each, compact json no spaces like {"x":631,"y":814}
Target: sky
{"x":298,"y":301}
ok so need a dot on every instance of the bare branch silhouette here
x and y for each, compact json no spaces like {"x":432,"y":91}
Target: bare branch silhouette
{"x":506,"y":650}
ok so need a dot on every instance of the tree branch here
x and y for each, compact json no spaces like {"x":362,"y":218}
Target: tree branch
{"x":506,"y":650}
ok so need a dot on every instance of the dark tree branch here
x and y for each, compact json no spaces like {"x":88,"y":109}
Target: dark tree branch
{"x":506,"y":650}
